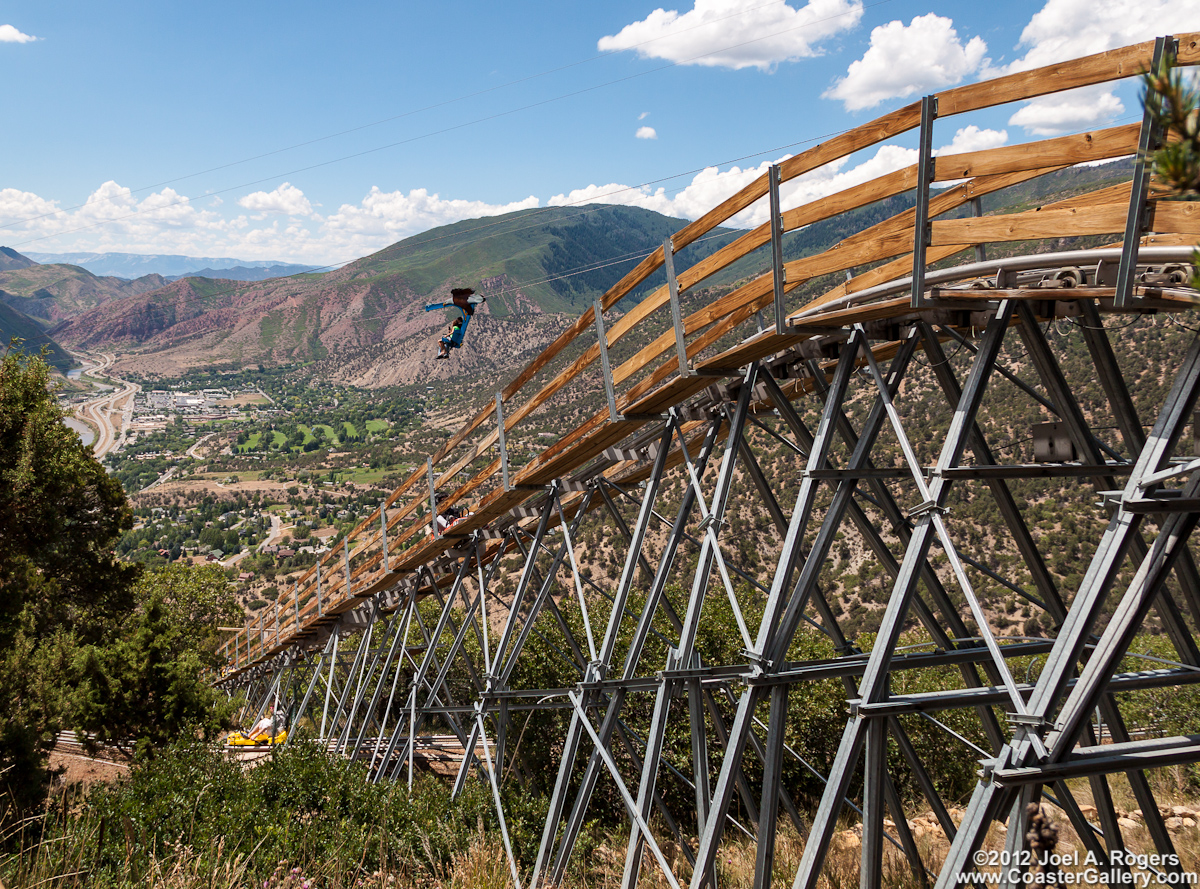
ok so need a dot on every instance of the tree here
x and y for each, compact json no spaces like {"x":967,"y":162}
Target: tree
{"x":197,"y":599}
{"x":60,"y":515}
{"x":1175,"y":106}
{"x":147,"y":691}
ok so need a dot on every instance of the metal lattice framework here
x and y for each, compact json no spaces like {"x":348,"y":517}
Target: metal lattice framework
{"x":404,"y":631}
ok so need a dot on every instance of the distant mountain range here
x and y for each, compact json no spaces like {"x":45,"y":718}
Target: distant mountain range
{"x":50,"y":294}
{"x":365,"y":323}
{"x":137,"y":265}
{"x":14,"y":324}
{"x":528,"y":264}
{"x":11,"y":259}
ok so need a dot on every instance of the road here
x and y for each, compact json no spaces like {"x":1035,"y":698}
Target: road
{"x":191,"y":452}
{"x":277,"y":529}
{"x":276,"y":534}
{"x":99,"y":411}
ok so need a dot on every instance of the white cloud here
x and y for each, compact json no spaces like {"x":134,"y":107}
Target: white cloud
{"x":736,"y":33}
{"x":286,"y":200}
{"x":9,"y":34}
{"x":396,"y":215}
{"x":712,"y":185}
{"x":114,"y":219}
{"x":646,"y":133}
{"x":971,"y":138}
{"x":643,"y":115}
{"x":17,"y":206}
{"x":1068,"y":112}
{"x":921,"y":57}
{"x":1068,"y":29}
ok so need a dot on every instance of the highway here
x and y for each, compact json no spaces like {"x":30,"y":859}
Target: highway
{"x":110,"y":412}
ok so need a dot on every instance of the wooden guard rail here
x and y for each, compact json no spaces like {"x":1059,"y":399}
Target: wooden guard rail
{"x":349,"y":574}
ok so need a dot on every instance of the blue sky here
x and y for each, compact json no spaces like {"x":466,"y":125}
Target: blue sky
{"x":305,"y":133}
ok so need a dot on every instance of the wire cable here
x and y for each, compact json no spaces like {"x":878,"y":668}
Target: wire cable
{"x":449,"y":129}
{"x":431,"y":107}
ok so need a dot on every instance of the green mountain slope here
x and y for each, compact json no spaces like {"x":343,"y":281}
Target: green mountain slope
{"x":11,"y":259}
{"x":529,"y":264}
{"x":16,"y":324}
{"x":557,"y":258}
{"x":51,"y":294}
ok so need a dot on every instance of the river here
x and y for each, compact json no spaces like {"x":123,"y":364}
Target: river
{"x":85,"y":431}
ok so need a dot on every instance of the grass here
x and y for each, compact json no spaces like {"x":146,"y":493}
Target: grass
{"x":377,"y":425}
{"x":365,"y":476}
{"x":330,"y":435}
{"x":180,"y":822}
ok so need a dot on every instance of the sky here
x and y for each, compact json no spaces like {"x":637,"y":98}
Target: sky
{"x":301,"y":132}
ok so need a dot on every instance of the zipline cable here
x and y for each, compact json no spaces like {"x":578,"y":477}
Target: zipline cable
{"x":411,"y":139}
{"x":432,"y":107}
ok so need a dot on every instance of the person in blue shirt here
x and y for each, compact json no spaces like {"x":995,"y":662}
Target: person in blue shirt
{"x":464,"y":301}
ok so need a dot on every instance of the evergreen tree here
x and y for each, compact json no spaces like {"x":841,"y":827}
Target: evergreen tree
{"x":60,"y":515}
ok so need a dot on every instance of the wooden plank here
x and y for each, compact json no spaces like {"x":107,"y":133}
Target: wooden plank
{"x":1189,"y":49}
{"x":844,"y":144}
{"x":1168,"y":240}
{"x":1075,"y":149}
{"x":693,"y":323}
{"x":902,"y":267}
{"x":766,"y":343}
{"x":856,"y":196}
{"x":875,"y":311}
{"x":622,"y":288}
{"x":878,"y":189}
{"x":1114,"y":64}
{"x":672,"y":393}
{"x":897,"y":268}
{"x":698,"y":345}
{"x":839,"y":146}
{"x":1031,"y":225}
{"x":730,"y":253}
{"x":584,"y":448}
{"x":1179,"y":217}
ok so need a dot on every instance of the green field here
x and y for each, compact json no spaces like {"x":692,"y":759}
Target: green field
{"x":366,"y":476}
{"x":377,"y":425}
{"x":351,"y":432}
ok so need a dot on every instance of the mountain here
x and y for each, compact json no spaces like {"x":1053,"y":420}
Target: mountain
{"x":557,"y":259}
{"x":170,"y":266}
{"x":50,"y":294}
{"x":17,"y":324}
{"x":245,"y":273}
{"x":11,"y":259}
{"x":528,"y":264}
{"x":365,"y":323}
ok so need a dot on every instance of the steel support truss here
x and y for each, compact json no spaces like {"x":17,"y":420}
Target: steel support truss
{"x":871,"y":441}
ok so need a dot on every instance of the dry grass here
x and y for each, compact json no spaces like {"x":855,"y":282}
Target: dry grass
{"x":484,"y":865}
